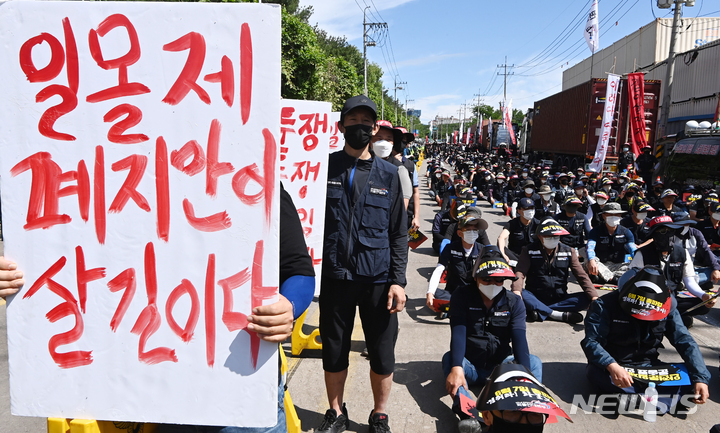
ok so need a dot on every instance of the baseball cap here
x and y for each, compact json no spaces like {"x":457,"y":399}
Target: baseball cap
{"x":358,"y":101}
{"x":501,"y":393}
{"x":641,"y":206}
{"x":667,"y":193}
{"x":491,"y":264}
{"x":550,"y":227}
{"x":644,"y":294}
{"x":526,"y":203}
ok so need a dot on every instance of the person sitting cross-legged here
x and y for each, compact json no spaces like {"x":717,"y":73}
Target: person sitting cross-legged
{"x":609,"y":245}
{"x":626,"y":327}
{"x":485,"y":319}
{"x":543,"y":268}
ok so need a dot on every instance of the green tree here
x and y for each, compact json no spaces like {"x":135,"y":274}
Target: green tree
{"x":518,"y":116}
{"x":302,"y":59}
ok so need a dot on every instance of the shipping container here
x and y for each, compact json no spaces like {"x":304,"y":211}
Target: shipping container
{"x":566,"y":126}
{"x":644,"y":49}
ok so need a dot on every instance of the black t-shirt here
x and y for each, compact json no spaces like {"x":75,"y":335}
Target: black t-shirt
{"x":294,"y":257}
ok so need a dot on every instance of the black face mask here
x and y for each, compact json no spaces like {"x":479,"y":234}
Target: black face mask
{"x":629,"y":194}
{"x":563,"y":182}
{"x":358,"y":136}
{"x":499,"y":425}
{"x":663,"y":242}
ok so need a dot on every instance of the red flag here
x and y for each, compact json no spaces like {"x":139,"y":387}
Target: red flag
{"x":636,"y":111}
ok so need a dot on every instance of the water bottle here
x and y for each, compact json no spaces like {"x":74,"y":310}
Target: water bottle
{"x":651,"y":397}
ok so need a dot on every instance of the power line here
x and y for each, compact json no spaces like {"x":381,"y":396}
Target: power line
{"x":548,"y":59}
{"x":556,"y":38}
{"x":580,"y":44}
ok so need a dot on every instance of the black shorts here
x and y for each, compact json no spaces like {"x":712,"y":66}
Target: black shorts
{"x":338,"y":299}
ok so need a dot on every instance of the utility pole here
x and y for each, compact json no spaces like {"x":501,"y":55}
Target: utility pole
{"x":396,"y":89}
{"x":382,"y":99}
{"x":506,"y":75}
{"x":412,"y":112}
{"x":366,"y":26}
{"x":478,"y":109}
{"x":668,"y":83}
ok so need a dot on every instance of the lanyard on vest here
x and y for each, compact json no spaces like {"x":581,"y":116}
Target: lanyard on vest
{"x":350,"y":181}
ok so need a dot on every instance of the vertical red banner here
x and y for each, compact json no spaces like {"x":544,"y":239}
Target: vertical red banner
{"x":636,"y":111}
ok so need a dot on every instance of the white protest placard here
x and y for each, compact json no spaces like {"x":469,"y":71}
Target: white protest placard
{"x":306,"y":128}
{"x":140,"y":192}
{"x":337,"y":140}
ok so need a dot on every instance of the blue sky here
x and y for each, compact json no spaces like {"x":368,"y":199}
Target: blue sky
{"x":448,"y":51}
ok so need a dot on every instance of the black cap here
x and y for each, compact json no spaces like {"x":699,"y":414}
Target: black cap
{"x":358,"y":101}
{"x":491,"y":264}
{"x":644,"y":294}
{"x":526,"y":203}
{"x":512,"y":387}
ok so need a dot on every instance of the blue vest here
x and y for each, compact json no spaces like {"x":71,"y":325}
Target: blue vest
{"x":357,"y":240}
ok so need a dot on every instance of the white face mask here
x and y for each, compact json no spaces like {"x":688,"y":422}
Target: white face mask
{"x":606,"y":188}
{"x":528,"y":214}
{"x":524,"y":175}
{"x":470,"y":236}
{"x":490,"y":291}
{"x":621,"y":181}
{"x":612,"y":221}
{"x":500,"y":181}
{"x":641,"y":216}
{"x":487,"y":177}
{"x":543,"y":181}
{"x":545,"y":197}
{"x":382,"y":148}
{"x":438,"y":175}
{"x":579,"y":192}
{"x":551,"y":242}
{"x":716,"y":216}
{"x":601,"y":201}
{"x":685,"y":230}
{"x":529,"y":190}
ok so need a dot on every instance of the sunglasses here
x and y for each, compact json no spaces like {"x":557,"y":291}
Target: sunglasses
{"x":516,"y":417}
{"x":665,"y":230}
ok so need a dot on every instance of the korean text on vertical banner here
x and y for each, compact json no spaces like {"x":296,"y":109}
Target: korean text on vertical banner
{"x":307,"y":129}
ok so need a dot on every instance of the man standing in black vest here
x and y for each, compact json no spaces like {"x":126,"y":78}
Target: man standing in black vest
{"x":364,"y":261}
{"x":546,"y":264}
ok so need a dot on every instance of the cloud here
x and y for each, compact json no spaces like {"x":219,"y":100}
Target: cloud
{"x":344,"y":17}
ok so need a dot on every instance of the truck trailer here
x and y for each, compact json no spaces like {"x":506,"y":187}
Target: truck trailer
{"x":566,"y":126}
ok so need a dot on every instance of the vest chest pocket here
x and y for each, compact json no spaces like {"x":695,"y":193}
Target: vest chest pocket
{"x":372,"y":256}
{"x":376,"y":212}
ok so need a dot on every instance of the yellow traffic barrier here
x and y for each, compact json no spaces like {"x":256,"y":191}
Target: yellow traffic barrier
{"x":291,"y":417}
{"x":62,"y":425}
{"x":300,"y":340}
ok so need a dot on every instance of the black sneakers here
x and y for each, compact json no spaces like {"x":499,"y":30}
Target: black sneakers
{"x":378,"y":423}
{"x":334,"y":423}
{"x":572,"y":317}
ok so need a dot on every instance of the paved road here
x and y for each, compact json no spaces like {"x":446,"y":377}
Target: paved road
{"x":418,"y":402}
